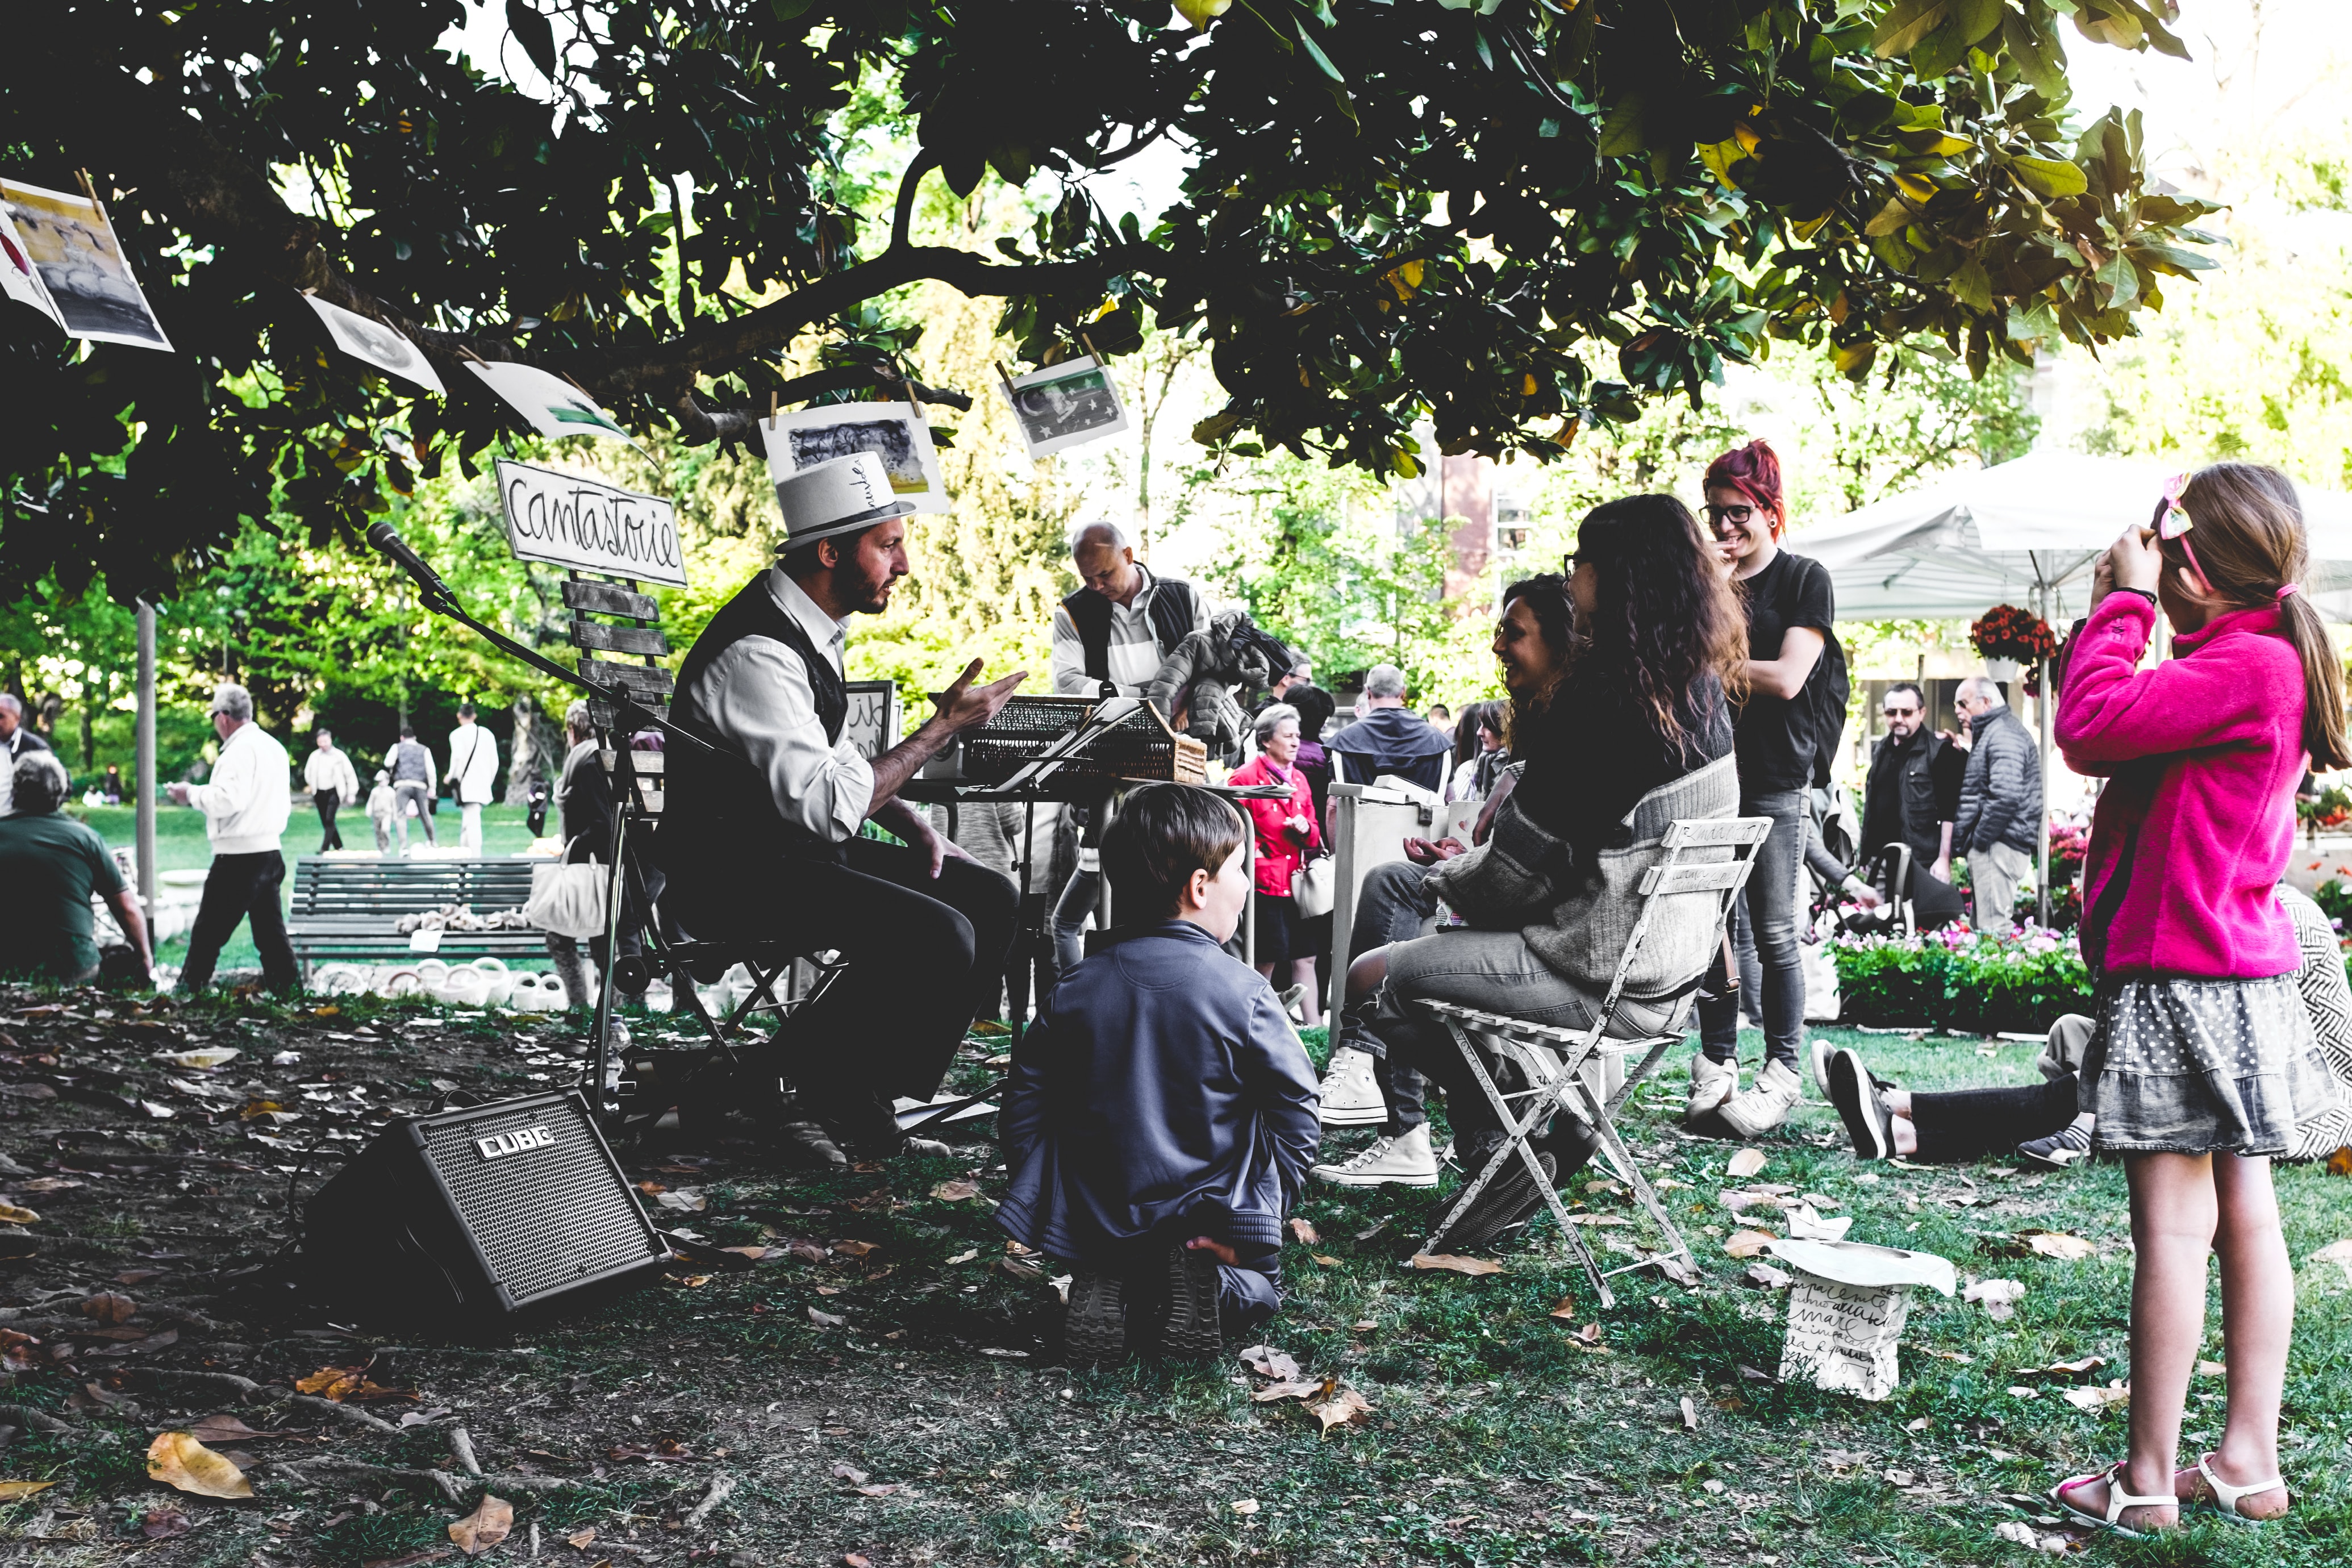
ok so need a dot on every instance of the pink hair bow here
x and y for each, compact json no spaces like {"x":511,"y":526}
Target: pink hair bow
{"x":2175,"y":523}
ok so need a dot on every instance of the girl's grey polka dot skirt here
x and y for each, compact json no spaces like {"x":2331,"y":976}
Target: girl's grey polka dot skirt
{"x":2191,"y":1067}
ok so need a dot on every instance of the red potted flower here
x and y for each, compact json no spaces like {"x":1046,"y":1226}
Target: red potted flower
{"x":2008,"y":637}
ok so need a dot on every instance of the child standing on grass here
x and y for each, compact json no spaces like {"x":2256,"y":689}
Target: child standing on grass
{"x":2203,"y":1059}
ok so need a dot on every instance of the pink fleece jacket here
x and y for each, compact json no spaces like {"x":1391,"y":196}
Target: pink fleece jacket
{"x":2194,"y":828}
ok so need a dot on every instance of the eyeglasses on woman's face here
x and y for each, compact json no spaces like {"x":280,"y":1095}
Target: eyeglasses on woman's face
{"x":1733,"y":515}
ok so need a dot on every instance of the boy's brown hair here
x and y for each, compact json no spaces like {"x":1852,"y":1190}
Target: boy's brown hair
{"x":1162,"y":835}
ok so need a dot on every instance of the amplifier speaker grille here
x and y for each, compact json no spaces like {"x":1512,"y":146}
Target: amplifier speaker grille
{"x":486,"y":1211}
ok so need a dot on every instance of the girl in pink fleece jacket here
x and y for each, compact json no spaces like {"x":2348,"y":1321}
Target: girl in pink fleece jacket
{"x":2204,"y":1056}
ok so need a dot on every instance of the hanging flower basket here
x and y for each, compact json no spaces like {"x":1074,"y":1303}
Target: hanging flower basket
{"x":2006,"y":634}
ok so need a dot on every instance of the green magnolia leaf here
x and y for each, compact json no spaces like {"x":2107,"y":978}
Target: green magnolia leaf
{"x":1621,"y":134}
{"x":1718,"y":157}
{"x":1907,"y":26}
{"x":1315,"y":52}
{"x":1971,"y":286}
{"x":535,"y":34}
{"x":2171,"y":257}
{"x":1201,"y":13}
{"x":2050,"y":178}
{"x":1893,"y":219}
{"x":2122,"y":279}
{"x":2040,"y":59}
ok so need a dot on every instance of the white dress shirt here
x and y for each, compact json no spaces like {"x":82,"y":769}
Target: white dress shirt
{"x":1134,"y":656}
{"x":473,"y":763}
{"x":757,"y":695}
{"x":247,"y":801}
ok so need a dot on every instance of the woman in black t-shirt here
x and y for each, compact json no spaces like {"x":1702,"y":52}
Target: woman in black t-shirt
{"x":1789,"y":610}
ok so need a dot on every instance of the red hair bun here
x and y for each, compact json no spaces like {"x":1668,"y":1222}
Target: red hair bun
{"x":1754,"y":470}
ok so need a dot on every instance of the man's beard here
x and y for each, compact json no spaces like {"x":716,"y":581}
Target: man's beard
{"x":874,"y":598}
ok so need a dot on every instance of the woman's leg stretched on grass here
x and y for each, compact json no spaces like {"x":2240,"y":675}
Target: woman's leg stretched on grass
{"x":2257,"y":1325}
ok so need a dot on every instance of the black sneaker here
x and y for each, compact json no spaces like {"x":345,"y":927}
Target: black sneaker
{"x":1096,"y":1335}
{"x":2062,"y":1151}
{"x":1510,"y":1199}
{"x":1189,"y":1328}
{"x":1861,"y":1106}
{"x":805,"y":1146}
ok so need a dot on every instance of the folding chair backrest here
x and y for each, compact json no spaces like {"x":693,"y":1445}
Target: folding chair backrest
{"x":1714,"y":876}
{"x":633,"y":631}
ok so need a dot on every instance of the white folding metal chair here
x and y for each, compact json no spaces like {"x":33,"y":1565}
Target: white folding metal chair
{"x":1560,"y":1064}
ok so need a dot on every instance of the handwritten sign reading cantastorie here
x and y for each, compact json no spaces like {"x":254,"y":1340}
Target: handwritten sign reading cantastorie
{"x":571,"y":520}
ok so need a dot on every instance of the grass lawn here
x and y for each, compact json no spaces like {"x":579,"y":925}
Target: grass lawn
{"x":180,"y":845}
{"x":900,"y":1397}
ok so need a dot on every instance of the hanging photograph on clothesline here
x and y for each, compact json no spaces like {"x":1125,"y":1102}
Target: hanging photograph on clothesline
{"x":1064,"y":405}
{"x":893,"y":431}
{"x":549,"y":404}
{"x":19,"y":278}
{"x":70,"y":242}
{"x":384,"y":347}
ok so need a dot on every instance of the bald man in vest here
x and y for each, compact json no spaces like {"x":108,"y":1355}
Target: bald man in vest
{"x":1119,"y":626}
{"x":763,"y":841}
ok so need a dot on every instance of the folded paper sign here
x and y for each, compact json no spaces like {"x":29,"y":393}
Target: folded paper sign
{"x":1847,"y":1305}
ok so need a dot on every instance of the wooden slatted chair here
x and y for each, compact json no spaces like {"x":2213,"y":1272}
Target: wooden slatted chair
{"x":1560,"y":1065}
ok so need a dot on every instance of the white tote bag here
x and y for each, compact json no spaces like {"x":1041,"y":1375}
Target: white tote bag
{"x":568,"y":899}
{"x":1315,"y":886}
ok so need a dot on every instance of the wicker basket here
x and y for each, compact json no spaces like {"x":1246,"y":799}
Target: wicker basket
{"x":1140,"y":747}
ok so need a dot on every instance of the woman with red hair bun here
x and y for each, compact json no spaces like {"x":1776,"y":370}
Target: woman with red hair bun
{"x":1778,"y":739}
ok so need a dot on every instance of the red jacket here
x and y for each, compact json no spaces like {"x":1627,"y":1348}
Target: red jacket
{"x":1279,"y":847}
{"x":2195,"y":825}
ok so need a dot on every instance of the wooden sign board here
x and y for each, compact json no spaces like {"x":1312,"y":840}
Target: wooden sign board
{"x":571,"y":520}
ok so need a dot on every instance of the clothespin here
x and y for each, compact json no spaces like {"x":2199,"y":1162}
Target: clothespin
{"x":772,"y":408}
{"x":468,"y":349}
{"x":87,"y":188}
{"x":1006,"y":374}
{"x":1088,"y":343}
{"x":907,"y":385}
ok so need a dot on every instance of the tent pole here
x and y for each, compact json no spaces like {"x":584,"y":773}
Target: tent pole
{"x":2041,"y":719}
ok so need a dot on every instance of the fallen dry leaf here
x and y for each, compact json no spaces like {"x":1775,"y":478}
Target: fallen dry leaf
{"x":754,"y":1253}
{"x":1690,"y":1415}
{"x":345,"y":1382}
{"x":956,"y":1192}
{"x":856,"y":1560}
{"x":2080,"y":1367}
{"x":11,"y":1215}
{"x":10,"y":1491}
{"x":177,"y":1459}
{"x":884,"y":1491}
{"x":1326,"y":1260}
{"x":1999,"y":1297}
{"x":1296,"y":1388}
{"x":164,"y":1523}
{"x":1744,"y":1163}
{"x":1268,"y":1362}
{"x":1304,"y":1231}
{"x":855,"y":1248}
{"x":847,"y":1472}
{"x":2059,"y":1244}
{"x":1244,"y":1505}
{"x":49,"y":1184}
{"x":2340,"y":1163}
{"x":1748,"y":1243}
{"x":110,"y":1307}
{"x":484,"y":1528}
{"x":2092,"y":1398}
{"x":1364,"y":1325}
{"x":1338,"y":1405}
{"x":964,"y":1257}
{"x":1767,"y":1276}
{"x":208,"y":1056}
{"x":2335,"y":1252}
{"x":685,"y":1200}
{"x":827,"y":1319}
{"x":1566,"y":1311}
{"x":578,"y":1539}
{"x":1456,"y":1264}
{"x":2212,"y":1369}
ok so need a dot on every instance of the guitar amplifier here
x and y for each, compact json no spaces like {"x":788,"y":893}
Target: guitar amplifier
{"x":481,"y":1215}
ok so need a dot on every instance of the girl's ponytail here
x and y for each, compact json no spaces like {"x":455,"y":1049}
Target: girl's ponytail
{"x":2252,"y":549}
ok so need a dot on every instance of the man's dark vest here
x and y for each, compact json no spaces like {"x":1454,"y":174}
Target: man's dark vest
{"x":1911,"y":776}
{"x":723,"y":805}
{"x":1171,"y":612}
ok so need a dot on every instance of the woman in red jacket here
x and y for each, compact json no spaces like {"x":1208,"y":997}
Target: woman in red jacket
{"x":1286,"y":832}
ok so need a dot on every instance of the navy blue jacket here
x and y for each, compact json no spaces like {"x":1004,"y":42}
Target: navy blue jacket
{"x":1162,"y":1095}
{"x":1392,"y":741}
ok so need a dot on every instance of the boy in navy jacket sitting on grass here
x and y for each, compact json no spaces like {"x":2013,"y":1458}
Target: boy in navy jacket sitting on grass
{"x":1161,"y":1116}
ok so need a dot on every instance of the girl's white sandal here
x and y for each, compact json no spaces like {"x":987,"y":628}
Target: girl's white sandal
{"x":2118,"y":1500}
{"x":2224,"y":1500}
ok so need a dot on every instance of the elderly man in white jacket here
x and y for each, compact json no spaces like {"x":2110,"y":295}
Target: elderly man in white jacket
{"x":246,"y":804}
{"x":473,"y":769}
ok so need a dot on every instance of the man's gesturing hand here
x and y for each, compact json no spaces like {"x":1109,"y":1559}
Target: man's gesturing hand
{"x":964,"y":707}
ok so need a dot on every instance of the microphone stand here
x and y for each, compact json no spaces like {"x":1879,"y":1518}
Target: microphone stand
{"x":630,"y":716}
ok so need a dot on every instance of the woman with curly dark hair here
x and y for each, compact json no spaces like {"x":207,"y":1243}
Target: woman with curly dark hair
{"x":1789,"y":608}
{"x":1635,"y":732}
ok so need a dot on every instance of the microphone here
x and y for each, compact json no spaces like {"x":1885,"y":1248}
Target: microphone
{"x":387,"y":540}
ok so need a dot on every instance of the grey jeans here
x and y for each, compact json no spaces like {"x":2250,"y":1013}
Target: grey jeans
{"x":1495,"y":972}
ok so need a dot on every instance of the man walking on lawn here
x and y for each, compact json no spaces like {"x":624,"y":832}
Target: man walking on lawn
{"x":332,"y":784}
{"x":1999,"y":824}
{"x":473,"y":768}
{"x":245,"y":806}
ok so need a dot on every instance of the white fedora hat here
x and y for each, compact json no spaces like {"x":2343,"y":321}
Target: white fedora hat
{"x":841,"y":495}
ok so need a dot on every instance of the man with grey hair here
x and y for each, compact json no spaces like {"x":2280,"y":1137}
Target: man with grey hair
{"x":1387,"y":739}
{"x":16,"y":740}
{"x":51,"y":865}
{"x":1117,"y":628}
{"x":1999,"y":824}
{"x":246,"y":804}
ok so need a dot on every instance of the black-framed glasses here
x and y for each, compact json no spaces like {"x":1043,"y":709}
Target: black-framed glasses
{"x":1735,"y":514}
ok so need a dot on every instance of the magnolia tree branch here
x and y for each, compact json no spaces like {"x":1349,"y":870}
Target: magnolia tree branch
{"x":218,"y":200}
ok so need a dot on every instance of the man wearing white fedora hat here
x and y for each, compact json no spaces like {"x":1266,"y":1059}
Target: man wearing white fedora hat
{"x":771,"y":849}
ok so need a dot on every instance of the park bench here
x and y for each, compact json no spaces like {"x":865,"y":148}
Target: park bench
{"x":349,"y":909}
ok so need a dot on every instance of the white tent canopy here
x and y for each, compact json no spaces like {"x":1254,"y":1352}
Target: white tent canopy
{"x":1961,"y":544}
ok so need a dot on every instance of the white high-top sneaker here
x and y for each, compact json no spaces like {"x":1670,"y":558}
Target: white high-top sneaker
{"x":1350,"y":1097}
{"x":1758,"y":1110}
{"x":1711,"y":1083}
{"x":1404,"y":1161}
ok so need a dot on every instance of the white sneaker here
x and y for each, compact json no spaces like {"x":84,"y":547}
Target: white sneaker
{"x":1404,"y":1161}
{"x":1711,"y":1083}
{"x":1351,"y":1095}
{"x":1759,"y":1109}
{"x":1821,"y":1052}
{"x":1290,"y":1000}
